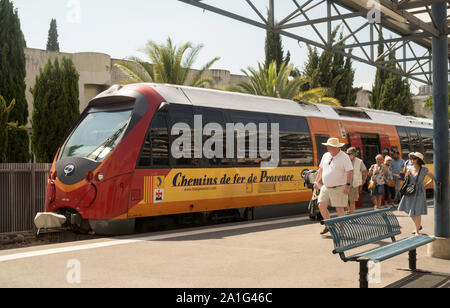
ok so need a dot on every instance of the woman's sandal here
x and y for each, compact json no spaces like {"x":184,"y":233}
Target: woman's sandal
{"x":420,"y":229}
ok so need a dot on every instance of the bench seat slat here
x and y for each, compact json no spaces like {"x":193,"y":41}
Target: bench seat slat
{"x":357,"y":230}
{"x":394,"y":249}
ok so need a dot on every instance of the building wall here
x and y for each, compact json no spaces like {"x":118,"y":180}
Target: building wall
{"x":94,"y":70}
{"x":363,"y":98}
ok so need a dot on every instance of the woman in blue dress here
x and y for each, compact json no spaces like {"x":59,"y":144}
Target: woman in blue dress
{"x":415,"y":205}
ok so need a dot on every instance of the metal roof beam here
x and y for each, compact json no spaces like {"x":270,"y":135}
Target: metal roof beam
{"x":412,"y":4}
{"x":399,"y":22}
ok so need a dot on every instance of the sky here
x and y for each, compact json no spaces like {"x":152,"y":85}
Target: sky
{"x":122,"y":28}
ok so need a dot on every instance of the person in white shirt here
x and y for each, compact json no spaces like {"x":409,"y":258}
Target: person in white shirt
{"x":336,"y":175}
{"x":359,"y":178}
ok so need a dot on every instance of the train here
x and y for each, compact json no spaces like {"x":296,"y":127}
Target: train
{"x":123,"y":166}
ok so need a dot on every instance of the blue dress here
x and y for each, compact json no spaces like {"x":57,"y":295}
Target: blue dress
{"x":415,"y":204}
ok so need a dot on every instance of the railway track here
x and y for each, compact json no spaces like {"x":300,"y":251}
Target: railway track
{"x":22,"y":239}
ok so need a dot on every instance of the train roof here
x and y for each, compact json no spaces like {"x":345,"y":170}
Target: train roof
{"x":246,"y":102}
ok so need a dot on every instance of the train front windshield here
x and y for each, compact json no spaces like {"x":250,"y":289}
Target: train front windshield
{"x":97,"y":135}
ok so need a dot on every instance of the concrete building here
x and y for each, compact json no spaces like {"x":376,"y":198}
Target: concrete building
{"x":419,"y":100}
{"x":97,"y":73}
{"x":363,"y":98}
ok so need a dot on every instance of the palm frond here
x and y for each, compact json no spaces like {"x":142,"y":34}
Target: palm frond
{"x":136,"y":71}
{"x":197,"y":81}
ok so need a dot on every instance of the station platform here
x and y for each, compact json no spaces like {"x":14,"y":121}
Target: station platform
{"x":285,"y":252}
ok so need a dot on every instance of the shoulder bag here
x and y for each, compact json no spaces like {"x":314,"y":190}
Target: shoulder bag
{"x":407,"y":188}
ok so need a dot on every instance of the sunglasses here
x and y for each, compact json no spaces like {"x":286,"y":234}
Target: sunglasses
{"x":330,"y":161}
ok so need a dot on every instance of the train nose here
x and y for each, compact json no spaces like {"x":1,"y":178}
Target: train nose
{"x":73,"y":170}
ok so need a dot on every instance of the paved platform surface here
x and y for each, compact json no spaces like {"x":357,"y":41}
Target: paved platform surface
{"x":286,"y":252}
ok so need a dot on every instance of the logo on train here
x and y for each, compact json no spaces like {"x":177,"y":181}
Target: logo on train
{"x":159,"y":195}
{"x":159,"y":192}
{"x":69,"y":170}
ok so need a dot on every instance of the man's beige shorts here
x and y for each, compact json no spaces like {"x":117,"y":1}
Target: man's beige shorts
{"x":353,"y":195}
{"x":333,"y":196}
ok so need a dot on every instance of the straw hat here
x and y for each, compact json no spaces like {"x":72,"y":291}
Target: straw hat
{"x":334,"y":142}
{"x":419,"y":156}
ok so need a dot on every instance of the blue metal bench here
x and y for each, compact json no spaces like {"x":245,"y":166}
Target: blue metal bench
{"x":360,"y":229}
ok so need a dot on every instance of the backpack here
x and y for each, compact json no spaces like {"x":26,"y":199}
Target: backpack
{"x":313,"y":208}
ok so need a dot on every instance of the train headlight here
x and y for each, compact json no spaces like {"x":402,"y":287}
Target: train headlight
{"x":99,"y":176}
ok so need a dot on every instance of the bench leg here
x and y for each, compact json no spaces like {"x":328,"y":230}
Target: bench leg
{"x":363,"y":272}
{"x":413,"y":263}
{"x":413,"y":260}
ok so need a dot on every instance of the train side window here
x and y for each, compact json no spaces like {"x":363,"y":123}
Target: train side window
{"x":182,"y":114}
{"x":214,"y":116}
{"x":155,"y":150}
{"x":415,"y":140}
{"x":427,"y":142}
{"x":404,"y":141}
{"x":296,"y":147}
{"x":251,"y":136}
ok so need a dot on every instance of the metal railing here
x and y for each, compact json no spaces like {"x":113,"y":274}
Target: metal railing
{"x":22,"y":195}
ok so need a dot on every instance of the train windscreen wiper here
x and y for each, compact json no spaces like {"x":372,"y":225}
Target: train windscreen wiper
{"x":108,"y":143}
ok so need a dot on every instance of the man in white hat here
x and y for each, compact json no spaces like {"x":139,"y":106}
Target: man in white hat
{"x":336,"y":174}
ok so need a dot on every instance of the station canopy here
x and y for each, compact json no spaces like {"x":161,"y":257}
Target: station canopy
{"x":404,"y":27}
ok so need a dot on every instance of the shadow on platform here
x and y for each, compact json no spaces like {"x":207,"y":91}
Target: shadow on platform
{"x":242,"y":229}
{"x":423,"y":280}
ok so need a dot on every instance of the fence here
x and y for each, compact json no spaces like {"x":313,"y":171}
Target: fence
{"x":22,"y":195}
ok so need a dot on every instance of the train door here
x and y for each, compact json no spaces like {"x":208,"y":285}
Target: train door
{"x":321,"y":149}
{"x":356,"y":142}
{"x":385,"y":145}
{"x":371,"y":147}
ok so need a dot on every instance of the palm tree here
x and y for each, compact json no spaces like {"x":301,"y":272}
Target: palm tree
{"x":169,"y":65}
{"x":269,"y":82}
{"x":318,"y":96}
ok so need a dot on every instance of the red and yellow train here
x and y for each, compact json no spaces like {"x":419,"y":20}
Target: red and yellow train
{"x":116,"y":168}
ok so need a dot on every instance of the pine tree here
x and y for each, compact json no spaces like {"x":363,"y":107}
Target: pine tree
{"x":380,"y":80}
{"x":331,"y":71}
{"x":344,"y":90}
{"x":5,"y":109}
{"x":310,"y":69}
{"x":274,"y":52}
{"x":274,"y":49}
{"x":56,"y":107}
{"x":52,"y":42}
{"x":395,"y":93}
{"x":12,"y":79}
{"x":7,"y":127}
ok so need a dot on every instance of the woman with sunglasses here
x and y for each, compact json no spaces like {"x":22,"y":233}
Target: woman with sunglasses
{"x":415,"y":204}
